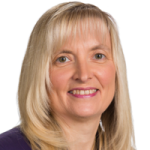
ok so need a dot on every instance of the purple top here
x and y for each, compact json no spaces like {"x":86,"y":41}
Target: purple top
{"x":14,"y":139}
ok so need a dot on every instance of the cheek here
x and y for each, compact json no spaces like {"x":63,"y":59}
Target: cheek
{"x":106,"y":75}
{"x":59,"y":78}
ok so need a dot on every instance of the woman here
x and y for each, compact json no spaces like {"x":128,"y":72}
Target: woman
{"x":73,"y":90}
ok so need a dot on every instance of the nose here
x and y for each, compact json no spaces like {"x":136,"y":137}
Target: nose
{"x":83,"y":71}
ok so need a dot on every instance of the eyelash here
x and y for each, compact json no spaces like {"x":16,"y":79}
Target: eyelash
{"x":103,"y":56}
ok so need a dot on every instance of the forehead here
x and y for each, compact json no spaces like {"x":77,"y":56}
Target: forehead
{"x":91,"y":42}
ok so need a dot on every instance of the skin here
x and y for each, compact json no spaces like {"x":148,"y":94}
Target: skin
{"x":79,"y":117}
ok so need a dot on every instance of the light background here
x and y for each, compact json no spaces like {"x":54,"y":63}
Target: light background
{"x":17,"y":19}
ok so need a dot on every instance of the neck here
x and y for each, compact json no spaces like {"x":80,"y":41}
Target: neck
{"x":79,"y":134}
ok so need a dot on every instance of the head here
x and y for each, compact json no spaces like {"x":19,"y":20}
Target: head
{"x":73,"y":25}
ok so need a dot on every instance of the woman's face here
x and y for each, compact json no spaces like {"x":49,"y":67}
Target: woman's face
{"x":83,"y":78}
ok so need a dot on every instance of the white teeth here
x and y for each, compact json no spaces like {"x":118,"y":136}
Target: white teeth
{"x":91,"y":91}
{"x":94,"y":91}
{"x":83,"y":92}
{"x":74,"y":91}
{"x":78,"y":91}
{"x":86,"y":91}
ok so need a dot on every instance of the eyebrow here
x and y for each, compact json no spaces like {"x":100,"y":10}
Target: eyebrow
{"x":91,"y":49}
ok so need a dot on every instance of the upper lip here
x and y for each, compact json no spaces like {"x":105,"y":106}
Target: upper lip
{"x":83,"y":88}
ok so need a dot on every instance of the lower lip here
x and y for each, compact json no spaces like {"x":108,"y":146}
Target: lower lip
{"x":84,"y":96}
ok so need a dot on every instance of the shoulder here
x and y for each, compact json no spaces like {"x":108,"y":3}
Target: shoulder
{"x":14,"y":139}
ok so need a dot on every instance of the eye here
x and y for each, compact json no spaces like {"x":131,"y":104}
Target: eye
{"x":99,"y":56}
{"x":62,"y":59}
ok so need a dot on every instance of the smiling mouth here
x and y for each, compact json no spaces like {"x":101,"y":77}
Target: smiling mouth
{"x":83,"y":92}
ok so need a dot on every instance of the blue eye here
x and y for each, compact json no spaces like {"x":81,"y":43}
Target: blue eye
{"x":99,"y":56}
{"x":62,"y":59}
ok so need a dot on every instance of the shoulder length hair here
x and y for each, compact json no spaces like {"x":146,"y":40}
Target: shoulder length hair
{"x":50,"y":32}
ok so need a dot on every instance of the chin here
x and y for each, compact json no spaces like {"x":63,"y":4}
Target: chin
{"x":86,"y":113}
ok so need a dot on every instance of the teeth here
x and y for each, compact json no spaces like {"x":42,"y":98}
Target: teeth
{"x":91,"y":91}
{"x":74,"y":91}
{"x":83,"y":92}
{"x":86,"y":91}
{"x":77,"y":91}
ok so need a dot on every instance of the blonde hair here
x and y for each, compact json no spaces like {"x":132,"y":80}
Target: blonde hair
{"x":50,"y":32}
